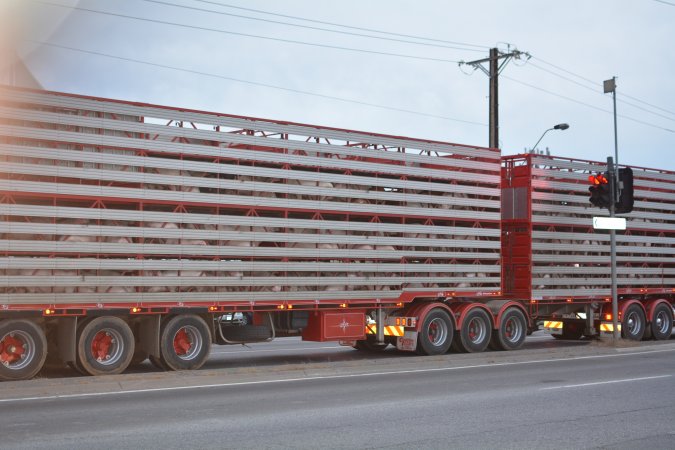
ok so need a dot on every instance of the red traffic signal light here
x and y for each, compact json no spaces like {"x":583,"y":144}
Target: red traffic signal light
{"x":600,"y":190}
{"x":598,"y":179}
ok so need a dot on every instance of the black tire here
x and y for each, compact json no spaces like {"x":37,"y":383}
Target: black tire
{"x":185,"y":342}
{"x":475,"y":334}
{"x":661,"y":326}
{"x":512,"y":331}
{"x":633,"y":323}
{"x":435,"y":335}
{"x":572,"y":331}
{"x":23,"y":349}
{"x":76,"y":367}
{"x":139,"y":357}
{"x":157,"y":362}
{"x":105,"y":346}
{"x":369,"y":345}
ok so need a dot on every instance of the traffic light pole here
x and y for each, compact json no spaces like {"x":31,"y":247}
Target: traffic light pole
{"x":612,"y":248}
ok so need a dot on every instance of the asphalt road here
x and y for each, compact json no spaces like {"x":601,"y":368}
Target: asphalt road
{"x":301,"y":395}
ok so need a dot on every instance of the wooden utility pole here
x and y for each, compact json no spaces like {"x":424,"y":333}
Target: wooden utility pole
{"x":495,"y":69}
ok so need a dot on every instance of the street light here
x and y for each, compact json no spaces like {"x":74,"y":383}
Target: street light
{"x":560,"y":126}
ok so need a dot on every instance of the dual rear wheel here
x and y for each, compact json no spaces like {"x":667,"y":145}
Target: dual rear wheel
{"x":23,"y":349}
{"x":184,"y":342}
{"x":106,"y":345}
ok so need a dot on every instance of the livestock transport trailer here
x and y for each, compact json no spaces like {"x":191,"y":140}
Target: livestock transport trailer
{"x":552,"y":256}
{"x":133,"y":231}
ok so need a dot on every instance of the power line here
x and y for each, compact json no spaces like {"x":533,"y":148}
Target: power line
{"x":597,"y":91}
{"x":255,"y":83}
{"x":588,"y":105}
{"x":215,"y":30}
{"x":370,"y":36}
{"x":665,"y":2}
{"x":594,"y":83}
{"x":372,"y":30}
{"x":599,"y":85}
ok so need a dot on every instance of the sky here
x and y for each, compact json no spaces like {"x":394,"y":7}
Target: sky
{"x":574,"y":46}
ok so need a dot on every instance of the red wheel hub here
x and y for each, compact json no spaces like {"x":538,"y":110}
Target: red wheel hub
{"x":11,"y":349}
{"x":182,"y":342}
{"x":100,"y":346}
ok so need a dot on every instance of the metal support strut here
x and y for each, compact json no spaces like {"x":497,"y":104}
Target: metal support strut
{"x":379,"y":319}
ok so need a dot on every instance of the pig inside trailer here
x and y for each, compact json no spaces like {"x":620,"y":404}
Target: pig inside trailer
{"x":132,"y":231}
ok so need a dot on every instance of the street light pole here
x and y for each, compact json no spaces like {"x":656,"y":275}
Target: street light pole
{"x":612,"y":168}
{"x":610,"y":86}
{"x":560,"y":126}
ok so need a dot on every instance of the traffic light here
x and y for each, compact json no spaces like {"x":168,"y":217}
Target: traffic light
{"x":600,"y":195}
{"x":625,"y":202}
{"x":600,"y":190}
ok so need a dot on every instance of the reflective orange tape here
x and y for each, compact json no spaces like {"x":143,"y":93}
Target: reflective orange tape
{"x":388,"y":331}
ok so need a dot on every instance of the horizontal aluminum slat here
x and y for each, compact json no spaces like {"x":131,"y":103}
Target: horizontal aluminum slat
{"x":238,"y":139}
{"x":224,"y":281}
{"x":544,"y":178}
{"x":187,"y":298}
{"x":585,"y":219}
{"x":252,"y":186}
{"x":251,"y":155}
{"x":241,"y":170}
{"x":603,"y":282}
{"x":575,"y":292}
{"x":601,"y":237}
{"x":639,"y":193}
{"x":595,"y":167}
{"x":60,"y":263}
{"x":215,"y":235}
{"x":565,"y":199}
{"x":222,"y":250}
{"x":583,"y":258}
{"x":252,"y":221}
{"x":586,"y":270}
{"x":592,"y":291}
{"x":549,"y":247}
{"x":126,"y":108}
{"x":107,"y":192}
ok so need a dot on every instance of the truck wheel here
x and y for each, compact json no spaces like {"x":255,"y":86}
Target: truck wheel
{"x":435,"y":335}
{"x":633,"y":324}
{"x":512,"y":331}
{"x":105,"y":346}
{"x":474,"y":336}
{"x":23,"y":349}
{"x":139,"y":357}
{"x":369,"y":345}
{"x":185,"y":342}
{"x":572,"y":331}
{"x":157,"y":362}
{"x":662,"y":324}
{"x":76,"y":367}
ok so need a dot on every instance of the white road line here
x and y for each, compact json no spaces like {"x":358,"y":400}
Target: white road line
{"x":626,"y":380}
{"x":326,"y":377}
{"x":333,"y":347}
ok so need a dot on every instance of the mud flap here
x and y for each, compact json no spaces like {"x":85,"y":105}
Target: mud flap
{"x":407,"y":342}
